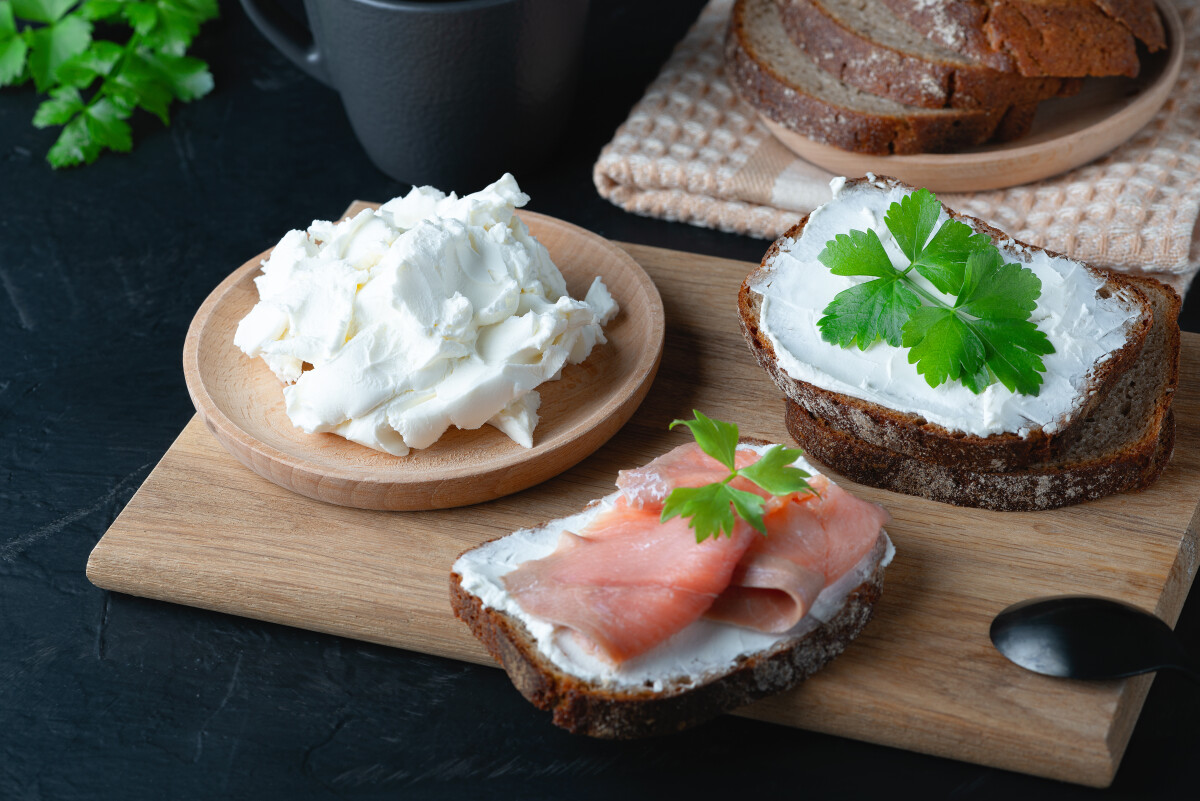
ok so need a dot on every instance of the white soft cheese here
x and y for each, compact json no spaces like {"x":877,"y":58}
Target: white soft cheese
{"x":1084,"y":329}
{"x":433,"y":311}
{"x":702,"y":649}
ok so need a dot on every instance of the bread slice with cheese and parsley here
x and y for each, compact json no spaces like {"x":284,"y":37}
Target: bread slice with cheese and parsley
{"x":1097,"y":321}
{"x":1123,"y":444}
{"x":525,"y":607}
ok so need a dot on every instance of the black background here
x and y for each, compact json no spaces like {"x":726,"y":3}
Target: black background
{"x":108,"y":696}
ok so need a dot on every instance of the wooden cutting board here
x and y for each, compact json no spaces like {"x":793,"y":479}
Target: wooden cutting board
{"x":205,"y":531}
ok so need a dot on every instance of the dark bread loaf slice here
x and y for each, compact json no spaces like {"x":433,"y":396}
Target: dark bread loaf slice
{"x":912,"y":435}
{"x":865,"y":44}
{"x":1123,"y":445}
{"x":784,"y":83}
{"x":1058,"y":484}
{"x":1070,"y":38}
{"x":583,"y":707}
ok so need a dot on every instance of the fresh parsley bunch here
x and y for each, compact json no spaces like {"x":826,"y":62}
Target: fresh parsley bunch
{"x":983,"y":336}
{"x":94,"y":84}
{"x":711,"y":507}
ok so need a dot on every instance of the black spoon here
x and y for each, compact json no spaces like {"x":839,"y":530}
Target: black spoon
{"x":1084,"y":637}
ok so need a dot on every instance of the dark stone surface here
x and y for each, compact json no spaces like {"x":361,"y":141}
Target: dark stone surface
{"x":109,"y":696}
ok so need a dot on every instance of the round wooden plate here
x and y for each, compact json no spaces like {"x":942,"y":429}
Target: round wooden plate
{"x":1067,"y":132}
{"x":241,"y":401}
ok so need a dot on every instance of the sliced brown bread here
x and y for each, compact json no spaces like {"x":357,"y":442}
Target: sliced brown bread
{"x":913,"y":435}
{"x":785,"y":84}
{"x":747,"y":666}
{"x":1072,"y":38}
{"x":867,"y":45}
{"x":584,"y":707}
{"x":1058,"y":484}
{"x":1124,"y":444}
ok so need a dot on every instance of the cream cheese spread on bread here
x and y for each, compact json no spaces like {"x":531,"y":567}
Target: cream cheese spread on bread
{"x":431,"y":311}
{"x":699,"y":651}
{"x":1085,"y":328}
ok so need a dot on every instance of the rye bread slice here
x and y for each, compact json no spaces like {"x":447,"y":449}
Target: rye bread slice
{"x":583,"y":707}
{"x":1071,"y":38}
{"x":784,"y":83}
{"x":1124,"y":444}
{"x":626,"y":711}
{"x":865,"y":44}
{"x":1031,"y":490}
{"x":912,"y":435}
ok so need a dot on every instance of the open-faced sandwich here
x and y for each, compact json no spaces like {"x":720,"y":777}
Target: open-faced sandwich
{"x":925,"y":352}
{"x":723,"y":571}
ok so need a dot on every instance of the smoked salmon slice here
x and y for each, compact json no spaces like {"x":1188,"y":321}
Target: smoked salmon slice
{"x":685,"y":466}
{"x":627,"y":582}
{"x":812,"y":540}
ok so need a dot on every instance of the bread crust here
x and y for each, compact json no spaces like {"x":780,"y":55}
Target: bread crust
{"x":921,"y":131}
{"x":912,"y":435}
{"x":875,"y":67}
{"x":583,"y":707}
{"x":1075,"y":38}
{"x":1029,"y":490}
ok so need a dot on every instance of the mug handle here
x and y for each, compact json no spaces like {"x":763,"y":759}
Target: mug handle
{"x":292,"y":38}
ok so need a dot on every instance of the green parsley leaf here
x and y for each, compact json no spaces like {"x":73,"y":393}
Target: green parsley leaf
{"x":142,"y":17}
{"x":100,"y":125}
{"x":911,"y":221}
{"x":47,"y":11}
{"x":945,"y":257}
{"x":873,"y":309}
{"x":984,"y":336}
{"x":774,"y":472}
{"x":942,"y":345}
{"x":64,"y":103}
{"x":867,"y":312}
{"x":710,"y":509}
{"x":857,"y":253}
{"x":96,"y":10}
{"x":74,"y":145}
{"x":994,"y":290}
{"x":1015,"y":348}
{"x":52,"y":45}
{"x":707,"y":508}
{"x":13,"y":48}
{"x":98,"y":60}
{"x":187,"y":77}
{"x":748,"y":506}
{"x":716,"y":438}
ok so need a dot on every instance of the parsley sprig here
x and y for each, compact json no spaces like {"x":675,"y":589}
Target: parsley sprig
{"x":95,"y":85}
{"x":983,"y":336}
{"x":711,"y":508}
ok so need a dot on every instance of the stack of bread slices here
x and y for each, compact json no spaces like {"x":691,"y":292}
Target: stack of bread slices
{"x":914,"y":76}
{"x":1105,"y":421}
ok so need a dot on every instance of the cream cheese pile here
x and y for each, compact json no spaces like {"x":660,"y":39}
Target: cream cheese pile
{"x":1084,"y":329}
{"x":433,"y":311}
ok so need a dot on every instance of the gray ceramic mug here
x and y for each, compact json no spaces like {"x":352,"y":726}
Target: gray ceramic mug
{"x":451,"y":94}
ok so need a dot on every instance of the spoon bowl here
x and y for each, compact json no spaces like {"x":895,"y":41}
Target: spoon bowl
{"x":1086,"y":637}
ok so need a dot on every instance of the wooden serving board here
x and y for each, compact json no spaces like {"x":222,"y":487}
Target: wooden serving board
{"x":205,"y":531}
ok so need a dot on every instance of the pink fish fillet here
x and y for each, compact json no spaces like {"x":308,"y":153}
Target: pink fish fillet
{"x":812,"y":540}
{"x":628,"y":582}
{"x":685,"y":466}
